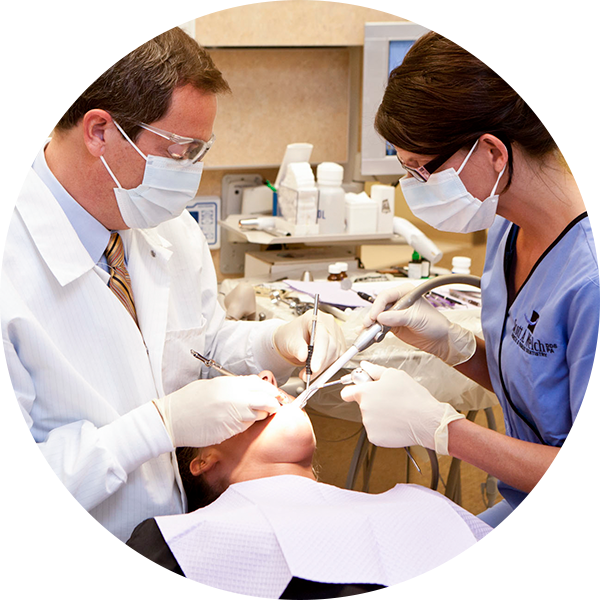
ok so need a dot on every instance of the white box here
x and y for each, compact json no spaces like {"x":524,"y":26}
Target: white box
{"x":361,"y":214}
{"x":384,"y":196}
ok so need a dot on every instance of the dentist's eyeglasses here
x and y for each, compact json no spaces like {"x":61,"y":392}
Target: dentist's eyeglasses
{"x":182,"y":148}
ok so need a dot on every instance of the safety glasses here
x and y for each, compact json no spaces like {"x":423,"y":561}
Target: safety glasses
{"x":424,"y":172}
{"x":182,"y":148}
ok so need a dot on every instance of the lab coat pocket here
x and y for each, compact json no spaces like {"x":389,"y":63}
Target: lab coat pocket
{"x":179,"y":366}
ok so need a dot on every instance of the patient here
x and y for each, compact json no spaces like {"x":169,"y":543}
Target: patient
{"x":281,"y":444}
{"x":263,"y":526}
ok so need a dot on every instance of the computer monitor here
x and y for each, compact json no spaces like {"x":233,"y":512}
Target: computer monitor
{"x":386,"y":45}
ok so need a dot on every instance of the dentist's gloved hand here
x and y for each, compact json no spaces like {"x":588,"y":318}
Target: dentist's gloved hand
{"x":398,"y":412}
{"x":209,"y":411}
{"x":291,"y":341}
{"x":423,"y":326}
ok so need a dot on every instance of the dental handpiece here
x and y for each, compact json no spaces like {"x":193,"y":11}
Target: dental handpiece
{"x":377,"y":331}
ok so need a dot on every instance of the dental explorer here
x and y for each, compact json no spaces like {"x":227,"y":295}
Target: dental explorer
{"x":311,"y":344}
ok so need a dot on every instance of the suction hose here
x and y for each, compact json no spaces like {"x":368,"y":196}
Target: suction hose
{"x":377,"y":331}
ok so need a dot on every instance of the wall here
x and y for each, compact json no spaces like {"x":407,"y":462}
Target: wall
{"x":295,"y":71}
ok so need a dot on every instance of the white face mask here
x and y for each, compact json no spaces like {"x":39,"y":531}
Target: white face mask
{"x":166,"y":189}
{"x":445,"y":203}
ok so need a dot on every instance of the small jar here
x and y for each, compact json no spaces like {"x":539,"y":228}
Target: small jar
{"x":335,"y":273}
{"x":344,"y":267}
{"x":414,"y":266}
{"x":461,"y":265}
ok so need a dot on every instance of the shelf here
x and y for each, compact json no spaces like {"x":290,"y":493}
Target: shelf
{"x":231,"y":224}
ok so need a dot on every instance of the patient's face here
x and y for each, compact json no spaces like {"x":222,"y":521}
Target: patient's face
{"x":280,"y":443}
{"x":286,"y":436}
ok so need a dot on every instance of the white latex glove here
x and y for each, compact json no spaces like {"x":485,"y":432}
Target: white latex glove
{"x":423,"y":326}
{"x":209,"y":411}
{"x":291,"y":341}
{"x":398,"y":412}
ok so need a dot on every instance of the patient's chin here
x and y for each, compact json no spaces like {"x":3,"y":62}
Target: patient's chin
{"x":289,"y":435}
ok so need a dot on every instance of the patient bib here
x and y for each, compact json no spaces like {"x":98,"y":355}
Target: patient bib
{"x":261,"y":533}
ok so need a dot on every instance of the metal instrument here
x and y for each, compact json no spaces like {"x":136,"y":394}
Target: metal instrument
{"x":209,"y":362}
{"x":311,"y":344}
{"x":359,"y":375}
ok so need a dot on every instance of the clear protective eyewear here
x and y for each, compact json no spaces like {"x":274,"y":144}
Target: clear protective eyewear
{"x":182,"y":148}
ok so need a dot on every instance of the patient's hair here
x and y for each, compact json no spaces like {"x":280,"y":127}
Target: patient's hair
{"x":198,"y":492}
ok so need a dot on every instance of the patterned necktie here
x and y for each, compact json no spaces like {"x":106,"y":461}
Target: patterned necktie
{"x":119,"y":282}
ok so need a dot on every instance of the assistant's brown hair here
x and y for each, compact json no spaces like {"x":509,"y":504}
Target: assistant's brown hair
{"x":140,"y":85}
{"x":441,"y":98}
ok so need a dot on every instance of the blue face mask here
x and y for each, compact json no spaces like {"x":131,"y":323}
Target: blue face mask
{"x":445,"y":203}
{"x":166,"y":189}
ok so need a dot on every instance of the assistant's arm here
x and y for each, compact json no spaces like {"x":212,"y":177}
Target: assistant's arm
{"x":398,"y":412}
{"x":476,"y":368}
{"x":517,"y":463}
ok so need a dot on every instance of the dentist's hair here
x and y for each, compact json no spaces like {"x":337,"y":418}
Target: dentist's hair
{"x":140,"y":85}
{"x":441,"y":99}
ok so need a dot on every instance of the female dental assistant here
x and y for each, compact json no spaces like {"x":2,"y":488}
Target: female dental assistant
{"x":477,"y":157}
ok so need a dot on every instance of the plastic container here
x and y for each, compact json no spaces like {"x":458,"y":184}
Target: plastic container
{"x":298,"y":199}
{"x":414,"y":266}
{"x":461,"y":265}
{"x":331,"y":213}
{"x":361,"y":214}
{"x":384,"y":196}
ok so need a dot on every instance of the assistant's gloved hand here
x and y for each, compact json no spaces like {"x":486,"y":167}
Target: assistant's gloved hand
{"x":423,"y":326}
{"x":291,"y":341}
{"x":209,"y":411}
{"x":398,"y":412}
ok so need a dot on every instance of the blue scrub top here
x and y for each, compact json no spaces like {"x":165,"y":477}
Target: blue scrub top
{"x":540,"y":348}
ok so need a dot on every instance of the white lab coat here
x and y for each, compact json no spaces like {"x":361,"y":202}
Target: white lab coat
{"x":83,"y":373}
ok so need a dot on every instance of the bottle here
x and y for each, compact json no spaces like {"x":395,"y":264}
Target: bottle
{"x":331,"y":214}
{"x":461,"y":265}
{"x":414,"y":266}
{"x":384,"y":195}
{"x":425,"y":268}
{"x":344,"y":267}
{"x":297,"y":197}
{"x":335,"y":273}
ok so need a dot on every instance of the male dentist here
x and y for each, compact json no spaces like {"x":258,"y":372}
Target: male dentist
{"x":107,"y":283}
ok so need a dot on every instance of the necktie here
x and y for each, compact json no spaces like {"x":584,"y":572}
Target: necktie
{"x":119,"y":282}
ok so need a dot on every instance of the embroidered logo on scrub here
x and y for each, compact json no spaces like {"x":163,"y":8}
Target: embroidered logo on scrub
{"x":522,"y":335}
